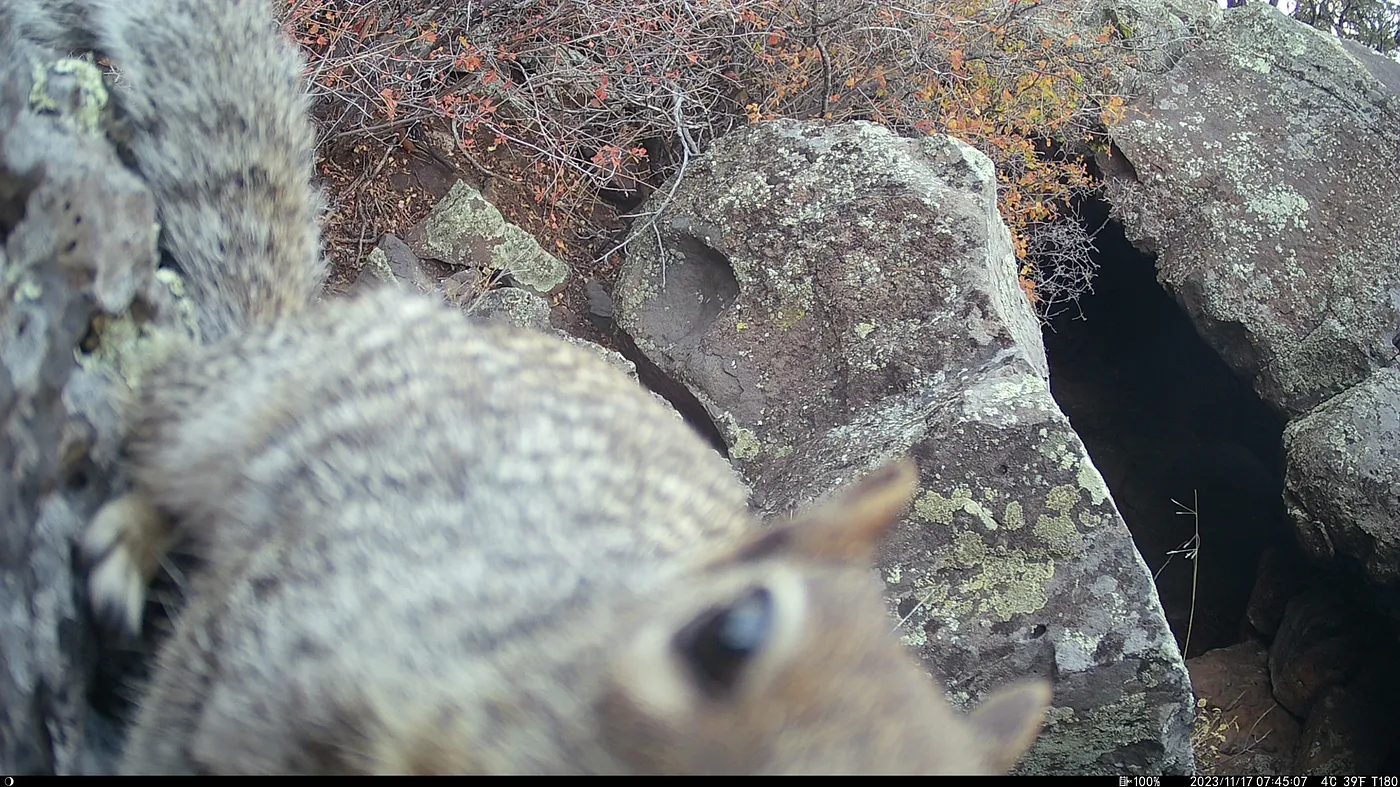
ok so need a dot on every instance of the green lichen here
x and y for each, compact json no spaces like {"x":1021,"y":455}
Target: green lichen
{"x":1062,"y":498}
{"x":863,"y":329}
{"x":1006,"y":582}
{"x":377,"y":265}
{"x":743,"y":443}
{"x":969,"y":550}
{"x":787,"y":316}
{"x":983,"y":514}
{"x":131,"y":347}
{"x":91,"y":94}
{"x":1091,"y":480}
{"x":1280,"y":207}
{"x":1088,"y":519}
{"x":1015,"y":516}
{"x":932,"y":598}
{"x":465,"y":217}
{"x":531,"y":266}
{"x":1089,"y":736}
{"x":1058,"y":530}
{"x":933,"y":507}
{"x":184,"y":305}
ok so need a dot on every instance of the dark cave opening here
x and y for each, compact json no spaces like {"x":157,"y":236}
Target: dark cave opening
{"x":1171,"y":428}
{"x":1173,"y":431}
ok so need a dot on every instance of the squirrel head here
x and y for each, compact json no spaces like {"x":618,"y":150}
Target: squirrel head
{"x":778,"y":657}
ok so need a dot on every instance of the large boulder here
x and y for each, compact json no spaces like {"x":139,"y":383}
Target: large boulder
{"x":1261,"y":172}
{"x":838,"y":295}
{"x":1150,"y":36}
{"x":1343,"y":479}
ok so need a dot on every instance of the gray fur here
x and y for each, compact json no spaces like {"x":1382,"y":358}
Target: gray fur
{"x":433,"y":546}
{"x":216,"y":122}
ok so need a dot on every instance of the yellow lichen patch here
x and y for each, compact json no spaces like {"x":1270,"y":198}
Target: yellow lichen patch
{"x":1058,"y":530}
{"x":1015,"y":516}
{"x":935,"y":507}
{"x":1062,"y":498}
{"x":743,"y":443}
{"x":1008,"y":582}
{"x":1091,"y":481}
{"x":787,"y":317}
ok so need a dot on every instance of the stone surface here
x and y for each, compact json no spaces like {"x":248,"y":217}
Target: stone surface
{"x":464,"y":229}
{"x":511,"y":306}
{"x":1343,"y":478}
{"x":1347,"y":733}
{"x":393,"y":262}
{"x":1261,"y":171}
{"x":1317,"y":645}
{"x":1259,"y":736}
{"x":79,"y":251}
{"x":835,"y":296}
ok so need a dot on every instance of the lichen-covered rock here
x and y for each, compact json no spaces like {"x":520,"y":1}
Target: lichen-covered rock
{"x":1343,"y":478}
{"x":79,"y":250}
{"x":464,"y":229}
{"x":1150,"y":35}
{"x":1261,"y":171}
{"x":838,"y":295}
{"x":511,"y":306}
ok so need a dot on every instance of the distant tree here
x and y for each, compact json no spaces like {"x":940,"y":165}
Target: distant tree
{"x":1375,"y":23}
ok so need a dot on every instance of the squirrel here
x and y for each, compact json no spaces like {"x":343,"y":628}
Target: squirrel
{"x":433,"y":546}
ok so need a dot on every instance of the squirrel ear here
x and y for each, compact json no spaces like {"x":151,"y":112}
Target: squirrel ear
{"x":1009,"y":720}
{"x":847,"y":527}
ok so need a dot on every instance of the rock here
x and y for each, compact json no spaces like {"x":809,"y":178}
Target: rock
{"x":1316,"y":646}
{"x":1277,"y":579}
{"x":838,"y":295}
{"x":1262,"y":158}
{"x":393,"y":262}
{"x":511,"y":306}
{"x":462,"y":287}
{"x":1253,"y":734}
{"x":611,"y":356}
{"x":1343,"y":478}
{"x":600,"y":302}
{"x":1152,"y":35}
{"x":79,"y":253}
{"x":1346,"y":734}
{"x":466,"y":230}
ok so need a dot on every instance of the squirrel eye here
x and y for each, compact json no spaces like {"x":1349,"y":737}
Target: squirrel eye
{"x":718,"y":644}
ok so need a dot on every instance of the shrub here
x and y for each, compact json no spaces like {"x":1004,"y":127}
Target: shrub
{"x":604,"y":93}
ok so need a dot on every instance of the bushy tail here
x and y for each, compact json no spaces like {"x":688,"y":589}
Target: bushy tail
{"x":217,"y":124}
